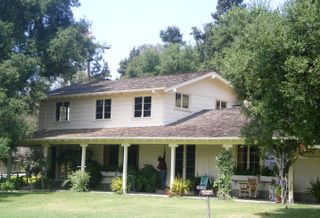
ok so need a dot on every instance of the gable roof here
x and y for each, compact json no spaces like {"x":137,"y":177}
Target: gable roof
{"x":208,"y":124}
{"x":132,"y":84}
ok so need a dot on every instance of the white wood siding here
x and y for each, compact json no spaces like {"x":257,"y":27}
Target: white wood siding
{"x":82,"y":113}
{"x":306,"y":169}
{"x":203,"y":95}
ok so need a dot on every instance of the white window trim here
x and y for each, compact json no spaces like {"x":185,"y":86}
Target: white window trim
{"x":219,"y":100}
{"x":95,"y":111}
{"x":142,"y":110}
{"x":181,"y":102}
{"x":55,"y":114}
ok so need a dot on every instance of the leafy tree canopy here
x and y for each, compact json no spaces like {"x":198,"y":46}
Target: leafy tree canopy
{"x":149,"y":60}
{"x":274,"y":67}
{"x":224,"y":6}
{"x":39,"y":42}
{"x":171,"y":35}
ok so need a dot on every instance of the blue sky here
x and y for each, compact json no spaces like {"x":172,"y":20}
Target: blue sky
{"x":124,"y":24}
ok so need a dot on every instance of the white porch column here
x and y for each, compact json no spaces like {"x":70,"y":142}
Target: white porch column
{"x":184,"y":164}
{"x":290,"y":184}
{"x":125,"y":167}
{"x":173,"y":163}
{"x":83,"y":156}
{"x":45,"y":148}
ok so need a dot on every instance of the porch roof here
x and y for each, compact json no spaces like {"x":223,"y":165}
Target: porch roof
{"x":206,"y":125}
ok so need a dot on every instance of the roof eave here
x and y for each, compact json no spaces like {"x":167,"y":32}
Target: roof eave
{"x":140,"y":140}
{"x":105,"y":93}
{"x":212,"y":75}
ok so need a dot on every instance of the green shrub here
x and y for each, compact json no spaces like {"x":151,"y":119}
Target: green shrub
{"x":94,"y":170}
{"x":277,"y":191}
{"x":116,"y":185}
{"x":12,"y":184}
{"x":314,"y":189}
{"x":225,"y":172}
{"x":180,"y":187}
{"x":78,"y":180}
{"x":7,"y":186}
{"x":147,"y":180}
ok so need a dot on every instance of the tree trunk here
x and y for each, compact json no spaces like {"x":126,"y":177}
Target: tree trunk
{"x":9,"y":164}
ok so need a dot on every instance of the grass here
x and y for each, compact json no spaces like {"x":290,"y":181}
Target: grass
{"x":69,"y":204}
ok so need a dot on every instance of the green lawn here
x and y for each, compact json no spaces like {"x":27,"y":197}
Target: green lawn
{"x":68,"y":204}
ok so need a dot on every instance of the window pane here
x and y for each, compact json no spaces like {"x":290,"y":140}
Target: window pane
{"x":185,"y":101}
{"x":254,"y":157}
{"x":242,"y":157}
{"x":107,"y":108}
{"x":138,"y":107}
{"x":137,"y":113}
{"x":138,"y":103}
{"x":58,"y":110}
{"x":223,"y":104}
{"x":147,"y":100}
{"x":217,"y":104}
{"x":178,"y":100}
{"x":66,"y":111}
{"x":179,"y":161}
{"x":99,"y":109}
{"x":146,"y":113}
{"x":190,"y":168}
{"x":147,"y":106}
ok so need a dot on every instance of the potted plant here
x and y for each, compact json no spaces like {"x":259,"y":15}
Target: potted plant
{"x":278,"y":194}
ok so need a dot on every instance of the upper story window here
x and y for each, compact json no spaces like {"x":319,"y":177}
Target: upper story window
{"x":142,"y":106}
{"x":221,"y":104}
{"x":103,"y":109}
{"x":62,"y":111}
{"x":182,"y":100}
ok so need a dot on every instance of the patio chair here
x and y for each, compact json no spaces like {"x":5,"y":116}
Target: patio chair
{"x":252,"y":183}
{"x":203,"y":183}
{"x":243,"y":190}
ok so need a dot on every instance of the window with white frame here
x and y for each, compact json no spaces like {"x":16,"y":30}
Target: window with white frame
{"x":62,"y":111}
{"x":221,"y":104}
{"x":182,"y":100}
{"x":142,"y":106}
{"x":248,"y":158}
{"x":103,"y":109}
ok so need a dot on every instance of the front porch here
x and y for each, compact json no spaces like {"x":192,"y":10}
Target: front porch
{"x":188,"y":161}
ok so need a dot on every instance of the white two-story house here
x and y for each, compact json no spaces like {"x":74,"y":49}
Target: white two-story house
{"x":192,"y":117}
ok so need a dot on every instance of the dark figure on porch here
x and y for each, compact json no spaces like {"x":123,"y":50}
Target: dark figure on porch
{"x":163,"y":170}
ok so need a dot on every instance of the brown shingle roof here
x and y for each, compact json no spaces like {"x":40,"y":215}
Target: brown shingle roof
{"x":126,"y":84}
{"x":205,"y":124}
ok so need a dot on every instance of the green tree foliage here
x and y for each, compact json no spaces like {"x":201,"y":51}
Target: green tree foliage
{"x":224,"y":6}
{"x":39,"y":42}
{"x":171,"y":35}
{"x":275,"y":70}
{"x":178,"y":59}
{"x":225,"y":172}
{"x":143,"y":61}
{"x":148,"y":60}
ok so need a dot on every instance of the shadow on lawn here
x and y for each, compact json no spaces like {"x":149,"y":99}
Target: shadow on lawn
{"x":5,"y":195}
{"x":292,"y":212}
